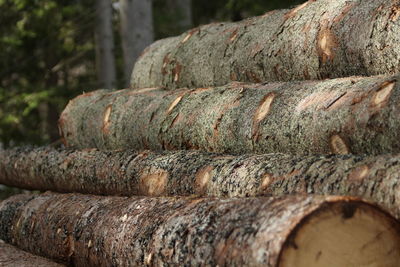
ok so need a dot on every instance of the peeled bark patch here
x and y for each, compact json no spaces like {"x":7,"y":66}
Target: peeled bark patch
{"x":339,"y":145}
{"x":12,"y":256}
{"x":177,"y":173}
{"x":116,"y":231}
{"x":382,"y":95}
{"x":348,"y":115}
{"x":202,"y":178}
{"x":316,"y":40}
{"x":106,"y":118}
{"x":153,"y":182}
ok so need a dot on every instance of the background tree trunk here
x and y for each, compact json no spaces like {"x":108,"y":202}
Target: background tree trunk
{"x":302,"y":231}
{"x":137,"y":32}
{"x":342,"y":116}
{"x":177,"y":173}
{"x":182,"y":11}
{"x":105,"y":44}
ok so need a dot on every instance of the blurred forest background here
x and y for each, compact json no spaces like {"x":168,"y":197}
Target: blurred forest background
{"x":53,"y":50}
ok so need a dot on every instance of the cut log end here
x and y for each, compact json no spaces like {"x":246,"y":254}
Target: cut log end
{"x":343,"y":234}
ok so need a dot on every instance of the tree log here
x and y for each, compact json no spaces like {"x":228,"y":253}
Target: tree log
{"x":85,"y":230}
{"x":176,"y":173}
{"x":315,"y":40}
{"x":348,"y":115}
{"x":12,"y":256}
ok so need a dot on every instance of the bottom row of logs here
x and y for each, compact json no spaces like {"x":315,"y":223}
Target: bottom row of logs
{"x":295,"y":230}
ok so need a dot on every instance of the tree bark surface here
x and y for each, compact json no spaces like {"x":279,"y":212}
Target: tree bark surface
{"x":12,"y":256}
{"x":315,"y":40}
{"x":177,"y":173}
{"x":348,"y":115}
{"x":84,"y":230}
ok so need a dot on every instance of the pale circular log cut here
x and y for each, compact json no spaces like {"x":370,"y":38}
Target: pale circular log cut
{"x":342,"y":236}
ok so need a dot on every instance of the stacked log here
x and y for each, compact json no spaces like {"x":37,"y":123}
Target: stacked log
{"x":178,"y":173}
{"x":12,"y":256}
{"x":316,"y":40}
{"x":220,"y":201}
{"x":299,"y":231}
{"x":348,"y":115}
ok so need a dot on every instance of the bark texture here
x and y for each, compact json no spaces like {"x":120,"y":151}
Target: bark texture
{"x":348,"y":115}
{"x":176,"y":173}
{"x":88,"y":230}
{"x":315,"y":40}
{"x":12,"y":256}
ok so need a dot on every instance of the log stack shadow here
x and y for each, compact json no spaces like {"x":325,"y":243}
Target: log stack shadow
{"x":231,"y":148}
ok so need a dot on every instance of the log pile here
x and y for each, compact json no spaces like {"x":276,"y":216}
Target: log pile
{"x":240,"y":155}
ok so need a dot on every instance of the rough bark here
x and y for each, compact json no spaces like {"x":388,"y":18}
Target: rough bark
{"x":105,"y":44}
{"x":176,"y":173}
{"x":12,"y":256}
{"x":348,"y":115}
{"x":85,"y":230}
{"x":136,"y":30}
{"x":315,"y":40}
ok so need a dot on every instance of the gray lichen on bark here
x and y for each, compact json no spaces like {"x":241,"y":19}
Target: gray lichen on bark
{"x":85,"y":230}
{"x":316,"y":40}
{"x":348,"y":115}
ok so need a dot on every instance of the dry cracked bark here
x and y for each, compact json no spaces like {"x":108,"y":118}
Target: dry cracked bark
{"x":316,"y":40}
{"x":176,"y":173}
{"x":347,"y":115}
{"x":86,"y":230}
{"x":12,"y":256}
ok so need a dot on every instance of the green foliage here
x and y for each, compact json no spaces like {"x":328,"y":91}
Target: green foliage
{"x":46,"y":57}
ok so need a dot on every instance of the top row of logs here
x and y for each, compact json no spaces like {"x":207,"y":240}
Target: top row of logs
{"x":316,"y":40}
